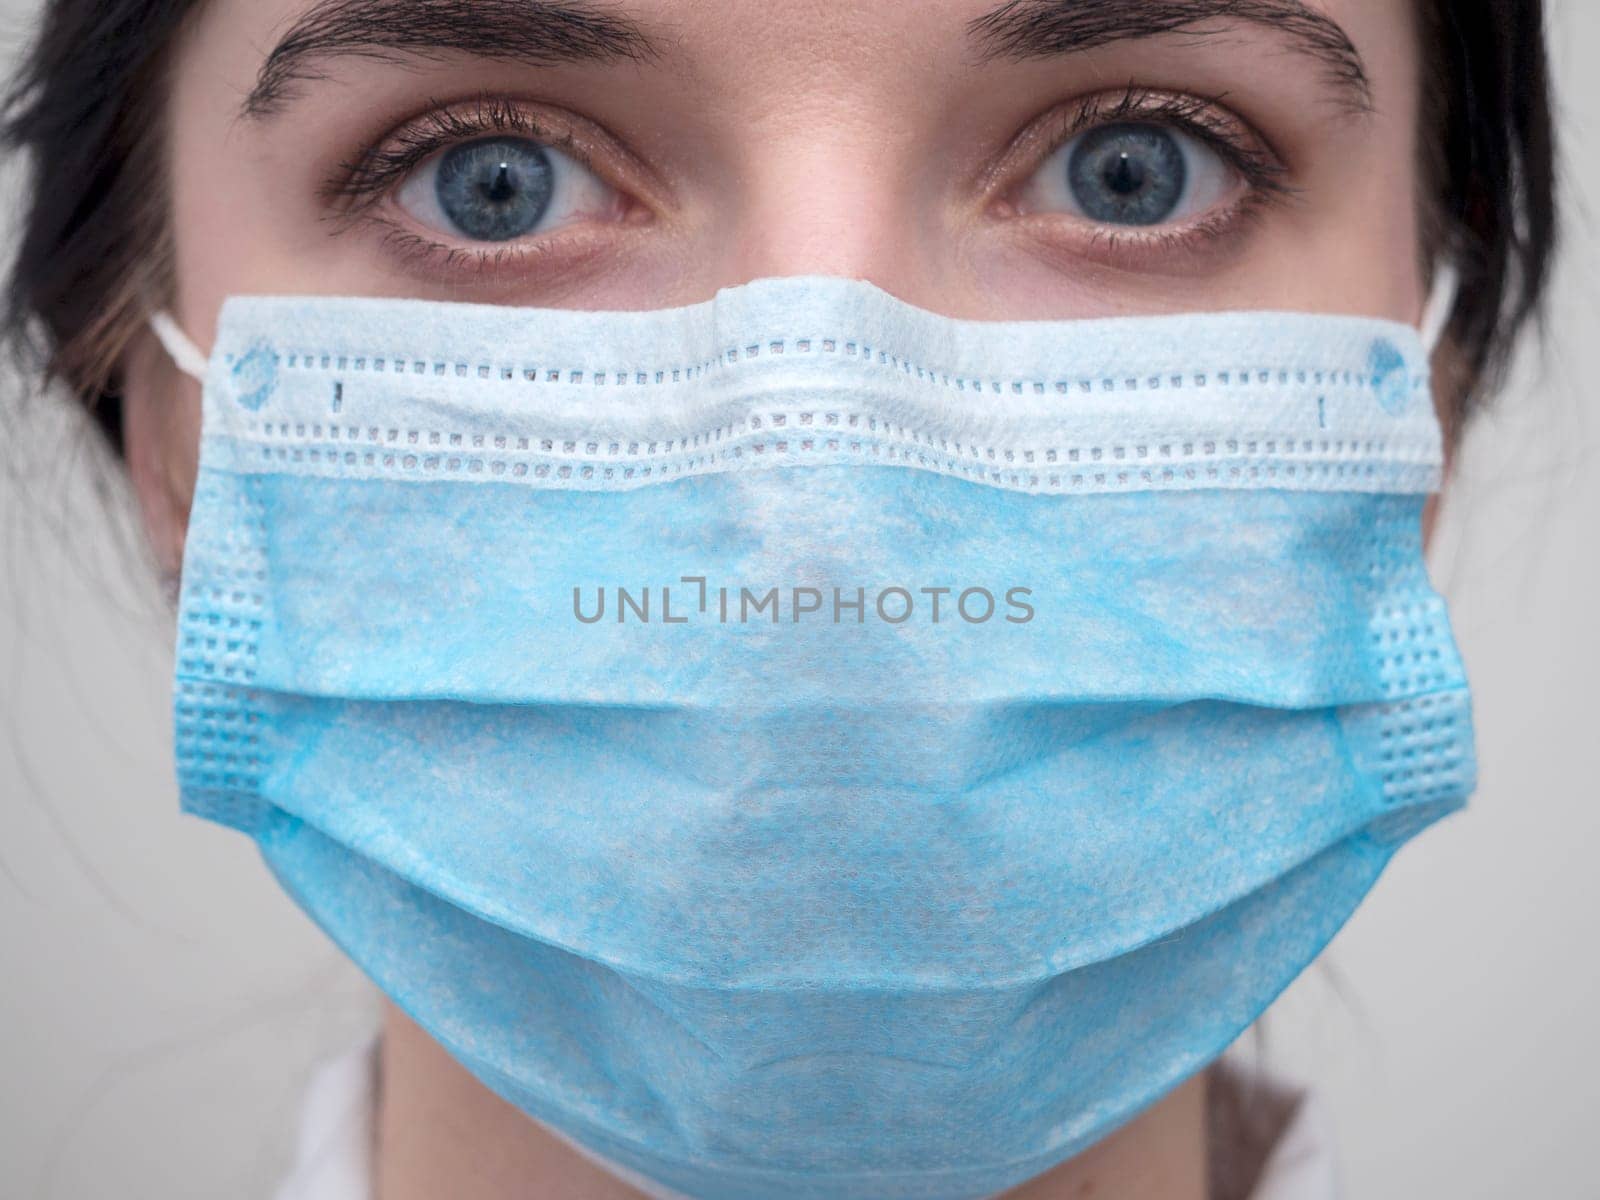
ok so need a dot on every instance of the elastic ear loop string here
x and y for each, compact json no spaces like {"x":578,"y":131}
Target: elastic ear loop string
{"x":1441,"y":306}
{"x":187,"y":358}
{"x":184,"y":353}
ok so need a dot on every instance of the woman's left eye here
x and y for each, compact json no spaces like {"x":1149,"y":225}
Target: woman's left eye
{"x":500,"y":188}
{"x":1131,"y":174}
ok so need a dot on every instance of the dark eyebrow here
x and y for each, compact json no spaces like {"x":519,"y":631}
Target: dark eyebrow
{"x":1021,"y":29}
{"x":538,"y":32}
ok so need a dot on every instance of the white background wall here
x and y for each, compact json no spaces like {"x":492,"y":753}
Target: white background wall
{"x":161,"y":1002}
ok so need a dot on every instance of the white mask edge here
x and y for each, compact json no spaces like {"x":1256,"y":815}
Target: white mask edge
{"x":185,"y":355}
{"x":1440,"y":306}
{"x":1436,"y":313}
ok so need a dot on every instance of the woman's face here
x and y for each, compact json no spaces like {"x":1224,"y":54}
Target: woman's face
{"x":1031,"y":159}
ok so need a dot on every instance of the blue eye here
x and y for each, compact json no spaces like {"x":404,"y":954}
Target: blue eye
{"x":495,"y":190}
{"x":498,"y":189}
{"x":1127,"y":174}
{"x":1131,"y":174}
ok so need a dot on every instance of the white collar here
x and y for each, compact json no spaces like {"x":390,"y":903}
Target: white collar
{"x":333,"y":1153}
{"x":1284,"y":1144}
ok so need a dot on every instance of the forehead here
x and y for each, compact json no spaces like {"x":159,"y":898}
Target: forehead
{"x":818,"y":43}
{"x":848,"y":20}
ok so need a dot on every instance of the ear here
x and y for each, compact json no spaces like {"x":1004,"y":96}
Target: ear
{"x":161,"y":435}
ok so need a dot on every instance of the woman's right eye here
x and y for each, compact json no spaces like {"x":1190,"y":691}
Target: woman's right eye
{"x":501,"y":188}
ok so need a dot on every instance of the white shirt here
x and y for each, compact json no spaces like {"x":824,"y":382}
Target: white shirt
{"x":1264,"y":1130}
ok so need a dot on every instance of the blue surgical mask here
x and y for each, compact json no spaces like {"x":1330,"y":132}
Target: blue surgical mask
{"x":800,"y":745}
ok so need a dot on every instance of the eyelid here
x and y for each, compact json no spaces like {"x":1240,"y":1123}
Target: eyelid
{"x":1236,"y":140}
{"x":380,"y":166}
{"x":1208,"y":178}
{"x":574,"y":193}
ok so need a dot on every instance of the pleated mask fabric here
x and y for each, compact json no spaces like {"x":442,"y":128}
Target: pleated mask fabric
{"x":801,"y":745}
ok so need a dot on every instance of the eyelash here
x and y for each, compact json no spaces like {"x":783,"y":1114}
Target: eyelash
{"x":367,"y":179}
{"x":1203,"y":118}
{"x":361,"y":184}
{"x":356,"y":191}
{"x":1200,"y":118}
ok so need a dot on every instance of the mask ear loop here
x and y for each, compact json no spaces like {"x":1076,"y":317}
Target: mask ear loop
{"x":184,"y":353}
{"x":1441,"y":306}
{"x":186,"y":356}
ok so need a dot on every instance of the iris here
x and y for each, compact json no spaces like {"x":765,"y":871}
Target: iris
{"x":1128,"y":174}
{"x":495,"y":189}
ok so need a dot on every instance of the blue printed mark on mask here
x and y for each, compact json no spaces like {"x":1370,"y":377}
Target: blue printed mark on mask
{"x":1390,"y":379}
{"x":255,"y":376}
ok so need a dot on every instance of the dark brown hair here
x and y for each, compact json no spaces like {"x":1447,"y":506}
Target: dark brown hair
{"x":88,"y":102}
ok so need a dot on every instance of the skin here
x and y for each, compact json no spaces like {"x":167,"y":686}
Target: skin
{"x":843,"y":137}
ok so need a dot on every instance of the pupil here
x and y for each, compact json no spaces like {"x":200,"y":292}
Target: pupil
{"x":1125,"y":175}
{"x":501,"y":189}
{"x":1128,"y":174}
{"x":496,"y":189}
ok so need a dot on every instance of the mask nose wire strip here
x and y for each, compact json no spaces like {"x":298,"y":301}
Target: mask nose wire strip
{"x":184,"y":353}
{"x":1441,"y":304}
{"x":1435,"y":317}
